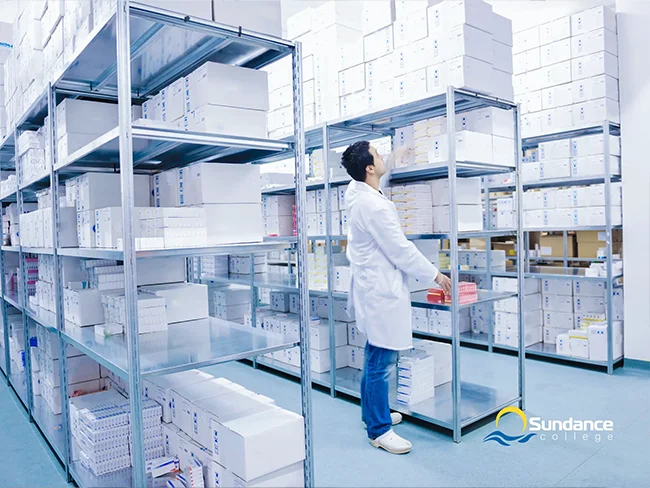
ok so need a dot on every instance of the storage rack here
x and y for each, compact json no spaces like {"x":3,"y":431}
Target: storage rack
{"x":459,"y":404}
{"x":102,"y":70}
{"x":613,"y":281}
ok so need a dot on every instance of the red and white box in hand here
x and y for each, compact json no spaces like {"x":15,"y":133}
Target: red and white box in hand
{"x":467,"y":293}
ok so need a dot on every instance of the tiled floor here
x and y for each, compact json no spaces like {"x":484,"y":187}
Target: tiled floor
{"x":343,"y":456}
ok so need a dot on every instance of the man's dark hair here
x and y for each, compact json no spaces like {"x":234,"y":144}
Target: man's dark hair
{"x":356,"y":159}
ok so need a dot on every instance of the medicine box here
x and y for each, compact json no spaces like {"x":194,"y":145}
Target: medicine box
{"x":158,"y":388}
{"x":227,"y":85}
{"x":586,"y":288}
{"x":185,"y":301}
{"x":85,"y":117}
{"x":182,"y":398}
{"x":234,"y":223}
{"x":223,"y":183}
{"x":320,"y":339}
{"x":558,"y":320}
{"x":248,"y":436}
{"x":209,"y":415}
{"x":218,"y":119}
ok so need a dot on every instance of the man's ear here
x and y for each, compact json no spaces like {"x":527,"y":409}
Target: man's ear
{"x":370,"y":169}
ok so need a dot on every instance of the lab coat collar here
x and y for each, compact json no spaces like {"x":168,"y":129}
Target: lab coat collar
{"x":365,"y":187}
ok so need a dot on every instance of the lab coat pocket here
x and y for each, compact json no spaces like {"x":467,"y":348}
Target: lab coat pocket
{"x":389,"y":283}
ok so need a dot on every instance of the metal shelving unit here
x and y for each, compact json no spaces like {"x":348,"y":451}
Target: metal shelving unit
{"x":612,"y":280}
{"x":102,"y":69}
{"x":531,"y":270}
{"x":459,"y":404}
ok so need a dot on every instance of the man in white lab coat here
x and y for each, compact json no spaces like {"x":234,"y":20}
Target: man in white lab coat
{"x":381,"y":259}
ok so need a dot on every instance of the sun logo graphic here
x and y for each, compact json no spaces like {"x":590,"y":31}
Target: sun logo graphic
{"x":505,"y":440}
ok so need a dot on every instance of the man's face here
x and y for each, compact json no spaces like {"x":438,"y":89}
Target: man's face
{"x":379,"y":167}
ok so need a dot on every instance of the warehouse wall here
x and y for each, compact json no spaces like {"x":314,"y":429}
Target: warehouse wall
{"x":634,"y":84}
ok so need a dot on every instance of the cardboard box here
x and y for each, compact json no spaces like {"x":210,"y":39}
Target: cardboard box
{"x":592,"y":42}
{"x":210,"y":414}
{"x":217,"y":119}
{"x":593,"y":111}
{"x":525,"y":40}
{"x":598,"y":341}
{"x":465,"y":72}
{"x":83,"y":307}
{"x":183,"y":396}
{"x":185,"y":301}
{"x":320,"y":339}
{"x":85,"y":117}
{"x":258,"y":433}
{"x":229,"y":86}
{"x":531,"y":303}
{"x":602,"y":63}
{"x":602,"y":86}
{"x":592,"y":19}
{"x":502,"y":29}
{"x":465,"y":40}
{"x":557,"y":96}
{"x":232,"y":223}
{"x":502,"y":56}
{"x":556,"y":52}
{"x":551,"y":333}
{"x":557,"y":286}
{"x":158,"y":388}
{"x":558,"y":320}
{"x":450,"y":14}
{"x":587,"y":288}
{"x":555,"y":31}
{"x":470,"y":217}
{"x":378,"y":43}
{"x":589,"y":304}
{"x":553,"y":245}
{"x":290,"y":477}
{"x":321,"y":361}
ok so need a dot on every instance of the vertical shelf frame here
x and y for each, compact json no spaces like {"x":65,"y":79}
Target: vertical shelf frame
{"x":522,"y":259}
{"x":301,"y":247}
{"x":453,"y":257}
{"x":123,"y":39}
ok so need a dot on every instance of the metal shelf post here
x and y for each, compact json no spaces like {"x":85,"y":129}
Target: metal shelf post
{"x":123,"y":39}
{"x":521,"y":252}
{"x":453,"y":255}
{"x":608,"y":244}
{"x":23,"y":295}
{"x":5,"y":323}
{"x":330,"y":265}
{"x":488,"y":261}
{"x":58,"y":283}
{"x":301,"y":245}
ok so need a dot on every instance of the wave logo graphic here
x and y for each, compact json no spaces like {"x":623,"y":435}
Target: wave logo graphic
{"x":505,"y":440}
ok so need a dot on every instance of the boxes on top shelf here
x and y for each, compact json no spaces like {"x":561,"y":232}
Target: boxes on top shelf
{"x":237,"y":87}
{"x":592,"y":19}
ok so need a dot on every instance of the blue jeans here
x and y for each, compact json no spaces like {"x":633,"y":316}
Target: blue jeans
{"x":377,"y":367}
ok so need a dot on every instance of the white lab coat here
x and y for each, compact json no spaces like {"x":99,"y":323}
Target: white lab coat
{"x":381,"y":259}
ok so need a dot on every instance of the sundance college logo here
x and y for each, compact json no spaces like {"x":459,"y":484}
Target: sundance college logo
{"x":552,"y":430}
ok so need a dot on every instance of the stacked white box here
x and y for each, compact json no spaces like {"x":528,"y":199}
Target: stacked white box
{"x":572,"y":63}
{"x":415,"y":377}
{"x":185,"y":301}
{"x":278,"y":213}
{"x":152,"y":314}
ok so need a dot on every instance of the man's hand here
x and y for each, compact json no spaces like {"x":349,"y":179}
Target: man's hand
{"x":444,"y":282}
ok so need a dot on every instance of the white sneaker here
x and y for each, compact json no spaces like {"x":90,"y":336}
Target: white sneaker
{"x":392,"y":443}
{"x":395,"y":418}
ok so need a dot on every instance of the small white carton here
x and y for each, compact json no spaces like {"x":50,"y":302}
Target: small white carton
{"x":246,"y":437}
